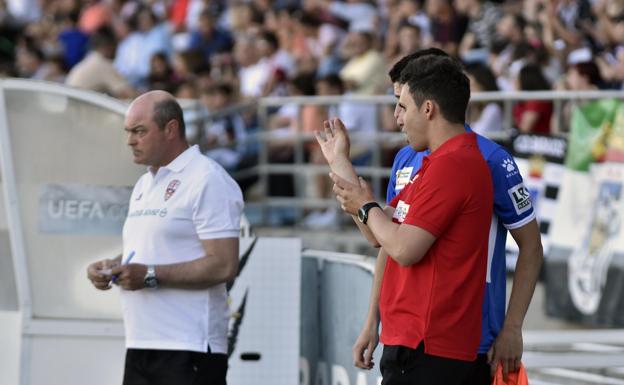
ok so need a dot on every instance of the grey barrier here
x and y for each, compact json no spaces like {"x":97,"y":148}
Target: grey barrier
{"x":335,"y":288}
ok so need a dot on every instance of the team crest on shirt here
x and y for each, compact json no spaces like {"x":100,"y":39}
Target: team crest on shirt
{"x":171,"y":189}
{"x":400,"y":212}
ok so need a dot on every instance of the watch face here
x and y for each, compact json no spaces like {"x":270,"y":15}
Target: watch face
{"x":362,"y":215}
{"x":151,"y":282}
{"x":150,"y":279}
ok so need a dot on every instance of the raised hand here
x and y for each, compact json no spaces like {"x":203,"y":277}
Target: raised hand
{"x":334,"y":141}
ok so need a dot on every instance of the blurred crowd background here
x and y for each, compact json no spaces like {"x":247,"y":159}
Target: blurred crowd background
{"x":230,"y":53}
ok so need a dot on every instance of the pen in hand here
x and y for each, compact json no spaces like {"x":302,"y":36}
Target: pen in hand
{"x":127,"y":261}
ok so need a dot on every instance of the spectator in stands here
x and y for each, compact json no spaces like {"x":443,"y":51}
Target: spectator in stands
{"x":413,"y":11}
{"x":483,"y":17}
{"x":96,"y":71}
{"x":243,"y":17}
{"x":74,"y":42}
{"x":161,"y":75}
{"x":289,"y":121}
{"x":208,"y":38}
{"x":253,"y":73}
{"x":134,"y":52}
{"x":304,"y":42}
{"x":187,"y":90}
{"x":584,"y":76}
{"x":408,"y":41}
{"x":447,"y":28}
{"x":507,"y":44}
{"x":224,"y":131}
{"x":610,"y":15}
{"x":532,"y":116}
{"x":29,"y":61}
{"x":484,"y":117}
{"x":281,"y":64}
{"x":292,"y":119}
{"x":359,"y":14}
{"x":570,"y":21}
{"x":223,"y":66}
{"x":364,"y":69}
{"x":186,"y":65}
{"x":580,"y":76}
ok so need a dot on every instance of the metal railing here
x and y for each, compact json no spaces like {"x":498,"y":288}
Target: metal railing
{"x":380,"y":141}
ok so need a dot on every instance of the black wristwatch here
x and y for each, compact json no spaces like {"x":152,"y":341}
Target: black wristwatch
{"x":150,"y":279}
{"x":363,"y":211}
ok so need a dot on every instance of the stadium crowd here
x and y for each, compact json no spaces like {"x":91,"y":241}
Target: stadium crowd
{"x":228,"y":52}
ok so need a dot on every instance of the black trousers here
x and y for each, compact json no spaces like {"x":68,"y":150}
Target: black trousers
{"x":174,"y":367}
{"x":481,"y":373}
{"x":401,"y":365}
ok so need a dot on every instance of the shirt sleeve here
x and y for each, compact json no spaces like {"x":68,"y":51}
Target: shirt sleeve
{"x":512,"y":202}
{"x":218,"y":208}
{"x":440,"y":197}
{"x":392,"y":181}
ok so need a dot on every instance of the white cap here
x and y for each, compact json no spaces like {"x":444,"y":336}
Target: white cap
{"x":580,"y":55}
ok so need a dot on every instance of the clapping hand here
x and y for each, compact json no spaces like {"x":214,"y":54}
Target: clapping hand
{"x":334,"y":141}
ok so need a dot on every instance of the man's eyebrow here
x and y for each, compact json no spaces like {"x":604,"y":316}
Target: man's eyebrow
{"x":133,"y":128}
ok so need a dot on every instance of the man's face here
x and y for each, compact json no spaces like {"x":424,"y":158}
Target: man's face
{"x":145,"y":139}
{"x":412,"y":120}
{"x":396,"y":87}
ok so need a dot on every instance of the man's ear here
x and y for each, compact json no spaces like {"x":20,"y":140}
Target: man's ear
{"x":429,"y":109}
{"x":172,"y":128}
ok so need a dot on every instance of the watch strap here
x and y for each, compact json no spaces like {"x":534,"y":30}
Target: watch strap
{"x":366,"y":208}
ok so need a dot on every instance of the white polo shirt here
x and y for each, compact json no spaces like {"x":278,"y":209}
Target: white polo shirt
{"x":190,"y":199}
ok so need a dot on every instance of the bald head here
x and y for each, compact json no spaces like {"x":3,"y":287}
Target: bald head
{"x":155,"y":128}
{"x":159,"y":106}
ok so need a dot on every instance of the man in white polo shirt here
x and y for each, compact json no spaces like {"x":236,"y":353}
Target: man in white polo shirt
{"x":180,"y":247}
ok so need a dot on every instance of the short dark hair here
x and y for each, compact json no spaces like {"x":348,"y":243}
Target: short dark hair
{"x":440,"y":79}
{"x":395,"y":71}
{"x":483,"y":75}
{"x":102,"y":37}
{"x":333,"y":80}
{"x":520,"y":21}
{"x":589,"y":70}
{"x":304,"y":83}
{"x":270,"y":38}
{"x":167,"y":110}
{"x":531,"y":78}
